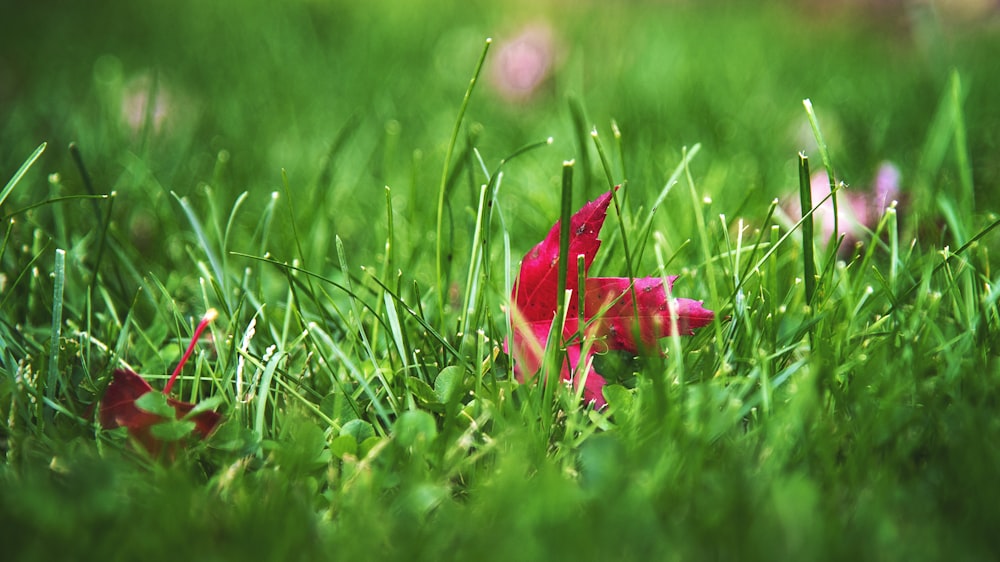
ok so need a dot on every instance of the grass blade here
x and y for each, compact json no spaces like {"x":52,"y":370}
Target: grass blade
{"x":808,"y":259}
{"x":442,"y":284}
{"x":58,"y":290}
{"x":16,"y":178}
{"x":824,"y":154}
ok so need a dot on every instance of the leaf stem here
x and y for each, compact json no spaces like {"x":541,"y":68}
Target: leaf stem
{"x":205,"y":321}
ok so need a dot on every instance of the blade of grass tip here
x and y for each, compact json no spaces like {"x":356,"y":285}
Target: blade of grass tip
{"x":439,"y":241}
{"x":219,"y":284}
{"x":292,"y":390}
{"x":390,"y":234}
{"x":890,"y":214}
{"x":824,"y":154}
{"x":667,"y":188}
{"x":579,"y":115}
{"x":105,"y":233}
{"x":738,"y":299}
{"x":118,"y":353}
{"x":35,"y":289}
{"x":292,"y":219}
{"x":507,"y":159}
{"x":229,"y":225}
{"x":968,"y":195}
{"x":675,"y":367}
{"x":58,"y":289}
{"x":475,"y":266}
{"x":74,"y":151}
{"x":629,"y":270}
{"x":6,"y":238}
{"x":487,"y":247}
{"x":824,"y":277}
{"x":760,"y":239}
{"x":482,"y":164}
{"x":864,"y":260}
{"x":51,"y":201}
{"x":396,"y":330}
{"x":207,"y":280}
{"x":616,"y":132}
{"x":732,"y":255}
{"x":609,"y":176}
{"x":772,"y":273}
{"x":495,"y":181}
{"x":206,"y":246}
{"x":773,"y":248}
{"x":939,"y":135}
{"x":86,"y":358}
{"x":387,"y":262}
{"x":805,"y":202}
{"x":263,"y":392}
{"x":508,"y":283}
{"x":263,"y":231}
{"x":19,"y":174}
{"x":581,"y":293}
{"x":468,"y":156}
{"x":317,"y":341}
{"x":699,"y":218}
{"x":565,"y":213}
{"x":947,"y":257}
{"x":428,"y":330}
{"x":342,"y":256}
{"x":105,"y":223}
{"x":60,"y":226}
{"x":347,"y":289}
{"x":242,"y":351}
{"x":226,"y":346}
{"x":309,"y":288}
{"x":554,"y":356}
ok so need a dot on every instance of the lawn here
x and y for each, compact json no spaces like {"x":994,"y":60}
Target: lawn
{"x":352,"y":189}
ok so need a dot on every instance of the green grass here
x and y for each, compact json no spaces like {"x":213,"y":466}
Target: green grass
{"x":321,"y":181}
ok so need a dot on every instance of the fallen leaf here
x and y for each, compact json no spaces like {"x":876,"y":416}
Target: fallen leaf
{"x":611,"y":319}
{"x":126,"y":404}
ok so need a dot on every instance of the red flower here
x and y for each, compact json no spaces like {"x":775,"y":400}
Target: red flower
{"x":610,"y":319}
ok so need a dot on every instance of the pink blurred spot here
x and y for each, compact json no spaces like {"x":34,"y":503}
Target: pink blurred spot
{"x":524,"y":62}
{"x":145,"y":98}
{"x":858,"y":210}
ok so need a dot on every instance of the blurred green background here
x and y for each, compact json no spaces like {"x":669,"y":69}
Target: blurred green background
{"x":176,"y":96}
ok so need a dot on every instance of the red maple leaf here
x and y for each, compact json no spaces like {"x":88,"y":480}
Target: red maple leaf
{"x":119,"y":408}
{"x":610,"y":320}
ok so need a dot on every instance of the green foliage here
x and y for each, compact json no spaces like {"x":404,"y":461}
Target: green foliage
{"x":312,"y":171}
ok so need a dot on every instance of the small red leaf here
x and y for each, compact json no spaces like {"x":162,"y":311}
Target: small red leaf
{"x":118,"y":406}
{"x":617,"y":322}
{"x":612,"y":320}
{"x":204,"y":422}
{"x":118,"y":409}
{"x":536,"y":286}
